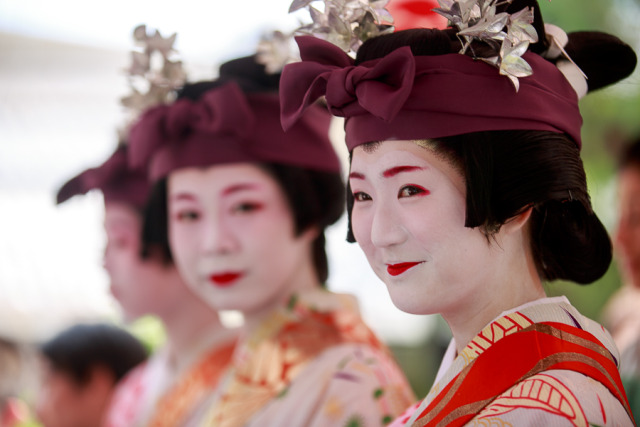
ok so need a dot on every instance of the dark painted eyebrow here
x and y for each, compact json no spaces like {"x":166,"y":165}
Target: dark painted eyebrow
{"x":399,"y":169}
{"x":238,"y":187}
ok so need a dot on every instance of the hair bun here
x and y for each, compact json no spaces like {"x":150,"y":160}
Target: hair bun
{"x":246,"y":72}
{"x":604,"y":58}
{"x":249,"y":74}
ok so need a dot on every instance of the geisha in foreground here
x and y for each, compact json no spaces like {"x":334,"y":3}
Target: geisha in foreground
{"x":465,"y":195}
{"x":247,"y":209}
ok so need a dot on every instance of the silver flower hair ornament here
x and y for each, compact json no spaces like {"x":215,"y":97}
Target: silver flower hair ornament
{"x":508,"y":35}
{"x":274,"y":51}
{"x":153,"y":76}
{"x":346,"y":23}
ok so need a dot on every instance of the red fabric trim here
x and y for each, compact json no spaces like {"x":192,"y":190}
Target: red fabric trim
{"x":540,"y":347}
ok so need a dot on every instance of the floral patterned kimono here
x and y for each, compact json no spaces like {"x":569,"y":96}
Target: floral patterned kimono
{"x":156,"y":394}
{"x":540,"y":364}
{"x":313,"y":363}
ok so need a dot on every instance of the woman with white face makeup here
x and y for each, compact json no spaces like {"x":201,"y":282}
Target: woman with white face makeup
{"x":198,"y":346}
{"x":467,"y":192}
{"x":247,"y":206}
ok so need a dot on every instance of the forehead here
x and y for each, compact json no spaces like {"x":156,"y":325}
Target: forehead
{"x":376,"y":160}
{"x":120,"y":213}
{"x":218,"y":180}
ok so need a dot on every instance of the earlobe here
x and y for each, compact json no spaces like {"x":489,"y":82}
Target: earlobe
{"x":311,"y":233}
{"x":519,"y":221}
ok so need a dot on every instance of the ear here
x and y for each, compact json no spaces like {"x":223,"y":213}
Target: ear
{"x":101,"y":380}
{"x":517,"y":222}
{"x":310,"y":233}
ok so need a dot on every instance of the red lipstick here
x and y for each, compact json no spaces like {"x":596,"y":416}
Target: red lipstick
{"x":224,"y":279}
{"x":397,"y":269}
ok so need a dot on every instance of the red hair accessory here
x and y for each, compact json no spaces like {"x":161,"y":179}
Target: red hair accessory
{"x":401,"y":96}
{"x":227,"y":125}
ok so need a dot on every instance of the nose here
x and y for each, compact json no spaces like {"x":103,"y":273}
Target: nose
{"x":218,"y":237}
{"x":386,"y":228}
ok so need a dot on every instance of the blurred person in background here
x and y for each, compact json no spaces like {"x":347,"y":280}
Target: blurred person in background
{"x":174,"y":382}
{"x":14,"y":368}
{"x":80,"y":369}
{"x":622,"y":312}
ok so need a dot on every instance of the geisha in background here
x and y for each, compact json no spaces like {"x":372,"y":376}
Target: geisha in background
{"x":467,"y":192}
{"x":247,"y":208}
{"x":170,"y":386}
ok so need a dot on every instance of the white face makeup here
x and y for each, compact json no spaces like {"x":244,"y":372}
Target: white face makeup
{"x":233,"y":237}
{"x":140,"y":286}
{"x":408,"y":217}
{"x":627,"y":236}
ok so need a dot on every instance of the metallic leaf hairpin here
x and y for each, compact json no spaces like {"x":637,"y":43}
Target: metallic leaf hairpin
{"x":346,"y":23}
{"x":507,"y":35}
{"x":274,"y":51}
{"x":153,"y":76}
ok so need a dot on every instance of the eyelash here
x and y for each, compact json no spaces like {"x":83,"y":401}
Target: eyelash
{"x":247,"y":207}
{"x":415,"y":190}
{"x":187,"y":216}
{"x":361,"y":196}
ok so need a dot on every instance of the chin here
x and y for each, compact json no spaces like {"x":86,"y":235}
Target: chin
{"x":408,"y":304}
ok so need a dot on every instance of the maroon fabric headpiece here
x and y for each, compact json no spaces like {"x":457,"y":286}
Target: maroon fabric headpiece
{"x":402,"y":96}
{"x":114,"y":178}
{"x":227,"y":125}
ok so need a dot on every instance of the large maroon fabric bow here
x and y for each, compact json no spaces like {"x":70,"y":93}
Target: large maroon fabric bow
{"x":224,"y":111}
{"x":402,"y":97}
{"x":227,"y":125}
{"x":350,"y":90}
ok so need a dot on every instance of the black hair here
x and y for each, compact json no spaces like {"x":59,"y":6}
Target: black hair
{"x":508,"y":172}
{"x":80,"y":348}
{"x":316,"y":198}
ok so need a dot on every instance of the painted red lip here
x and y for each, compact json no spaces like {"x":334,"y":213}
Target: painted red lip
{"x":397,"y":269}
{"x":224,"y":279}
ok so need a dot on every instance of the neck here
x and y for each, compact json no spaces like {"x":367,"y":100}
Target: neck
{"x":513,"y":281}
{"x":303,"y":279}
{"x":193,"y":327}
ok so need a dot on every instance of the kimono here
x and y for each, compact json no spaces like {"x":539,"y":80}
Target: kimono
{"x":313,"y":363}
{"x":157,"y":394}
{"x":540,"y":364}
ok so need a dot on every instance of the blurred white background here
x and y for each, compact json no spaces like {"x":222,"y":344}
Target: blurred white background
{"x":61,"y":78}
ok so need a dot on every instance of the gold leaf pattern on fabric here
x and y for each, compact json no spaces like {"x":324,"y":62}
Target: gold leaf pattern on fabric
{"x":542,"y":392}
{"x":493,"y":333}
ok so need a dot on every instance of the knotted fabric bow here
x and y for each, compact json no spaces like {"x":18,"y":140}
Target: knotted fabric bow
{"x":401,"y":96}
{"x":227,"y":125}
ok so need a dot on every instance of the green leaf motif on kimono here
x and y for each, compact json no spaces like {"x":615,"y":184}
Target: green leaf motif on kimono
{"x":378,"y":393}
{"x":282,"y":393}
{"x":292,"y":302}
{"x":387,"y":419}
{"x":354,"y":421}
